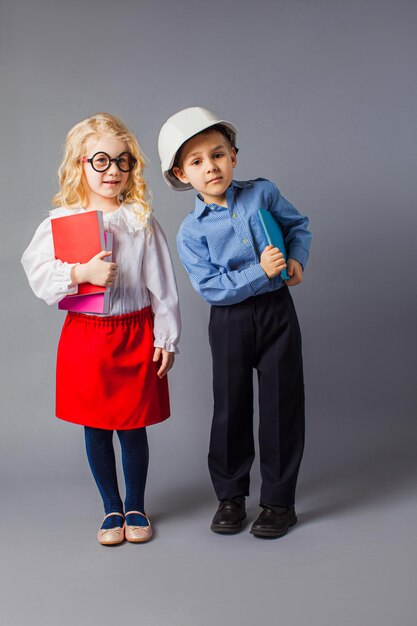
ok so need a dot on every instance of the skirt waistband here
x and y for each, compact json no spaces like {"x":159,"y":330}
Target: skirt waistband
{"x":110,"y":320}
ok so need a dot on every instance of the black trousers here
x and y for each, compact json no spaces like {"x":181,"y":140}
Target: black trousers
{"x":261,"y":332}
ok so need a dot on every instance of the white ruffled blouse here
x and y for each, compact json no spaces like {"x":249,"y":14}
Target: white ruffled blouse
{"x":145,"y":273}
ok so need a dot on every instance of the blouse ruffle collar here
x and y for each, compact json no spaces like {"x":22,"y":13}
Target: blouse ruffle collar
{"x":124,"y":219}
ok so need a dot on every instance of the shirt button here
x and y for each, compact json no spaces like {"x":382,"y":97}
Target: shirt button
{"x":245,"y":241}
{"x":234,"y":215}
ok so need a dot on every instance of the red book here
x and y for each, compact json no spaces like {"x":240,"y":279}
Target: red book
{"x":77,"y":238}
{"x":90,"y":302}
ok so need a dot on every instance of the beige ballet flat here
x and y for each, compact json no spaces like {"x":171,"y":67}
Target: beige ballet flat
{"x":138,"y":534}
{"x":111,"y":536}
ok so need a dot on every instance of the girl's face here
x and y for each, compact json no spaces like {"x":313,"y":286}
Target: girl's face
{"x":103,"y":188}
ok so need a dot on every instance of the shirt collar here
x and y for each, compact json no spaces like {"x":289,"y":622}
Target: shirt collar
{"x":201,"y":206}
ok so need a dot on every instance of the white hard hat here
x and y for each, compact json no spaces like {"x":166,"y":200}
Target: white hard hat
{"x":177,"y":130}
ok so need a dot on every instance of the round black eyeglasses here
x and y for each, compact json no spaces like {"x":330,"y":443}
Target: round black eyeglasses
{"x":101,"y":161}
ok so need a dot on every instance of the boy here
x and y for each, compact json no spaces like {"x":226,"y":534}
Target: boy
{"x":253,"y":323}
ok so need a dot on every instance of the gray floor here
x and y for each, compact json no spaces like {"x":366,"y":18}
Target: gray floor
{"x":351,"y":560}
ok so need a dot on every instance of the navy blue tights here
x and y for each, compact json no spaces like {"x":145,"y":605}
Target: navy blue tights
{"x":135,"y":459}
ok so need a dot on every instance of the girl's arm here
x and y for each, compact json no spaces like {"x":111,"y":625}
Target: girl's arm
{"x":49,"y":278}
{"x":159,"y":278}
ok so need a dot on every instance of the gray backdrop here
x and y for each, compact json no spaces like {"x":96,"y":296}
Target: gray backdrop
{"x":323,"y":94}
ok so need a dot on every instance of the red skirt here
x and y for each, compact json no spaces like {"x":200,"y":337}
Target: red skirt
{"x":105,"y":376}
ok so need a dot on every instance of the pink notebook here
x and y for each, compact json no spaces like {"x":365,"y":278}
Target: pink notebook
{"x":89,"y":303}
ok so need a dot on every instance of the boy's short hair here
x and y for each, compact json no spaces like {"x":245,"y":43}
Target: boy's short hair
{"x":219,"y":127}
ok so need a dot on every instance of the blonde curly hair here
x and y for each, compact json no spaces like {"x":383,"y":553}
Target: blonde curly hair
{"x":73,"y":193}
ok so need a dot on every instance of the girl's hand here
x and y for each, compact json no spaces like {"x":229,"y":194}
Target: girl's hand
{"x":272,"y":261}
{"x":295,"y":272}
{"x":167,"y":361}
{"x":96,"y":271}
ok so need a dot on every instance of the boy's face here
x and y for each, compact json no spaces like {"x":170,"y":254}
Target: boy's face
{"x":207,"y":163}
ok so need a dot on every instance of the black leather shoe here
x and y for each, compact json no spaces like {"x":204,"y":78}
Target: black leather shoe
{"x":274,"y":521}
{"x":229,"y":516}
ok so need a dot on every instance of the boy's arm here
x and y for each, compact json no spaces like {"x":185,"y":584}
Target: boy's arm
{"x":294,"y":226}
{"x":215,"y":286}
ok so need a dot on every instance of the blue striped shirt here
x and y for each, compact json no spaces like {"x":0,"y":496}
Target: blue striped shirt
{"x":220,"y":247}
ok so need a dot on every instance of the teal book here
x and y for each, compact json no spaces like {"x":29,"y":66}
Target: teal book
{"x":274,"y":235}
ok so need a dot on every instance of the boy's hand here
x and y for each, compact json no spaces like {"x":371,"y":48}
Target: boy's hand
{"x":167,"y":361}
{"x":96,"y":271}
{"x":295,"y":272}
{"x":272,"y":261}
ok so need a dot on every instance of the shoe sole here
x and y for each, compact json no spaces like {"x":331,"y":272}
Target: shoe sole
{"x":227,"y":530}
{"x":273,"y":534}
{"x":141,"y":540}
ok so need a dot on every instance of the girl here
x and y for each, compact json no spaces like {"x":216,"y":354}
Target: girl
{"x":111,"y":370}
